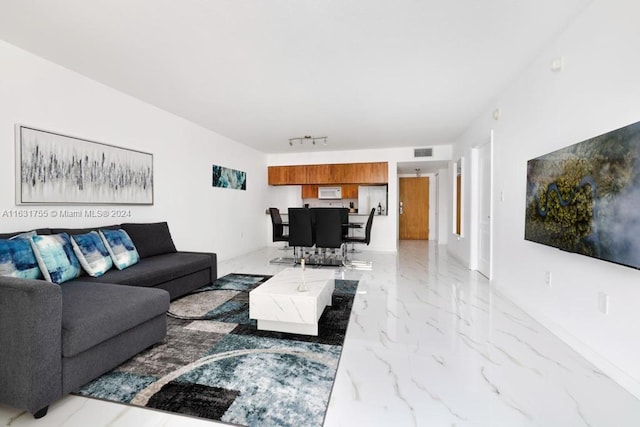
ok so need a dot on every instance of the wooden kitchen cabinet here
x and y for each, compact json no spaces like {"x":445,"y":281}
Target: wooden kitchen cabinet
{"x":349,"y":191}
{"x":287,"y":175}
{"x":371,"y":173}
{"x":360,"y":173}
{"x":341,"y":172}
{"x":332,"y":174}
{"x":299,"y":174}
{"x":319,"y":174}
{"x":310,"y":191}
{"x":276,"y":175}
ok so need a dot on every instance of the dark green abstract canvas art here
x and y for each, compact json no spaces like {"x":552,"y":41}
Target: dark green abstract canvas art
{"x":585,"y":198}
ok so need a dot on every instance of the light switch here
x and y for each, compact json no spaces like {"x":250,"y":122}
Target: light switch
{"x":603,"y":303}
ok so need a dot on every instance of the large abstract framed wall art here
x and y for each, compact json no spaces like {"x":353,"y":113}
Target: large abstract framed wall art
{"x":52,"y":168}
{"x":229,"y":178}
{"x":586,"y":198}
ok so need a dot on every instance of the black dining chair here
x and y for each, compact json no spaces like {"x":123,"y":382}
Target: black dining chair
{"x":329,"y":234}
{"x":300,"y":230}
{"x":278,"y":226}
{"x":367,"y":231}
{"x":344,"y":218}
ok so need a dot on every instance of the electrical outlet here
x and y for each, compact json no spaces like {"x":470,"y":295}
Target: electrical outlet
{"x":603,"y":303}
{"x":557,"y":64}
{"x":547,"y":277}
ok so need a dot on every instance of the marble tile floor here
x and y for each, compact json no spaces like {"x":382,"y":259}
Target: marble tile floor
{"x":429,"y":344}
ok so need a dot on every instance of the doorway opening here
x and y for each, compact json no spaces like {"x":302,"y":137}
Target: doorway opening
{"x":482,"y":244}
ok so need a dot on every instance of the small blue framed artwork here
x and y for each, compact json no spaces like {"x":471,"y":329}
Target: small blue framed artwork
{"x":229,"y":178}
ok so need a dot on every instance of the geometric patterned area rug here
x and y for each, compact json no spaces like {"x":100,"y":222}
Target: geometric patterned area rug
{"x":215,"y":364}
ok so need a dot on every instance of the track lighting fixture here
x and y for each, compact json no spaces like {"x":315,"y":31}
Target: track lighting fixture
{"x":308,"y":138}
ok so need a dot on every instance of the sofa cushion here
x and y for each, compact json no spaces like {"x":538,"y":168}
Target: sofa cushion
{"x":91,"y":253}
{"x":40,"y":231}
{"x":120,"y":247}
{"x":93,"y":313}
{"x":18,"y":260}
{"x":156,"y":270}
{"x":55,"y":257}
{"x":151,"y":239}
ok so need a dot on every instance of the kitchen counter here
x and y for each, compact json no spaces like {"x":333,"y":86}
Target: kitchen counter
{"x":365,"y":214}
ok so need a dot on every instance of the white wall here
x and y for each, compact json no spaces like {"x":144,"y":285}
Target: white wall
{"x":542,"y":111}
{"x":444,"y":204}
{"x":384,"y":233}
{"x":38,"y":93}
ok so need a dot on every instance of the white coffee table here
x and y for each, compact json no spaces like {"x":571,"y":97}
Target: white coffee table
{"x":277,"y":304}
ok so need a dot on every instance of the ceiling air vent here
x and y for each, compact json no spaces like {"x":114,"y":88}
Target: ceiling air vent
{"x":423,"y":152}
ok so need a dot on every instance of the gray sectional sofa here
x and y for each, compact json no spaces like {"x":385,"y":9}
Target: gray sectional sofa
{"x":55,"y":338}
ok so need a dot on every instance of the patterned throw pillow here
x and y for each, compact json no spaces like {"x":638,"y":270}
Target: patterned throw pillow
{"x":91,"y":253}
{"x":18,"y":260}
{"x":120,"y":247}
{"x":26,"y":235}
{"x":55,"y":257}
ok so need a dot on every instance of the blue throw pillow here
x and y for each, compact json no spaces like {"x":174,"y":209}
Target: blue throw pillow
{"x":91,"y":253}
{"x":18,"y":260}
{"x":55,"y":257}
{"x":26,"y":235}
{"x":120,"y":247}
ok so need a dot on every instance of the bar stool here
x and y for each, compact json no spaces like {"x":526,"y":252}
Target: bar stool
{"x":367,"y":231}
{"x":278,"y":227}
{"x":329,"y":234}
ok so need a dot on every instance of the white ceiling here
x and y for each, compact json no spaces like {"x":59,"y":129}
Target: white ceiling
{"x":365,"y":73}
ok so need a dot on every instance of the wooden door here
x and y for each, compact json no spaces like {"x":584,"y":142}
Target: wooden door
{"x":414,"y":208}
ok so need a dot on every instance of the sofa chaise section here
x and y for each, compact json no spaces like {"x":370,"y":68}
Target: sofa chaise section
{"x":104,"y":325}
{"x":56,"y":338}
